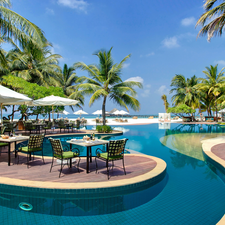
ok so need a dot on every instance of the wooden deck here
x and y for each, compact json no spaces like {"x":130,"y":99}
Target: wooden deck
{"x":38,"y":171}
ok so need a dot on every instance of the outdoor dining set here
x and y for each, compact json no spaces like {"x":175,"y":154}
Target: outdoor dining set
{"x":30,"y":145}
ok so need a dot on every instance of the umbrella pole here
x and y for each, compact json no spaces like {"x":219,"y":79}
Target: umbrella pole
{"x":52,"y":117}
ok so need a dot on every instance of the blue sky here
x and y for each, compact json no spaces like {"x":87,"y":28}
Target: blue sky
{"x":160,"y":36}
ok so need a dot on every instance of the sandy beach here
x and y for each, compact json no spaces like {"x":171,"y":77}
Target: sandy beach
{"x":139,"y":121}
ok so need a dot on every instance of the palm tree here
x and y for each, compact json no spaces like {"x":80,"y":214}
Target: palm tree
{"x":213,"y":84}
{"x":186,"y":91}
{"x":69,"y":81}
{"x":36,"y":65}
{"x":165,"y":102}
{"x":17,"y":27}
{"x":212,"y":20}
{"x":105,"y":82}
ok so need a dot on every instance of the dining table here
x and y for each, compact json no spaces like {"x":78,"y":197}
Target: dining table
{"x":14,"y":140}
{"x":88,"y":144}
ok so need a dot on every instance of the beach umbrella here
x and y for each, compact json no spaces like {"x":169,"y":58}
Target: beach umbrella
{"x":10,"y":97}
{"x":80,"y":112}
{"x":122,"y":112}
{"x":98,"y":112}
{"x":54,"y":101}
{"x":117,"y":112}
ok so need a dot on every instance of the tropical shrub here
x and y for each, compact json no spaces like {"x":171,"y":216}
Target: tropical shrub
{"x":104,"y":129}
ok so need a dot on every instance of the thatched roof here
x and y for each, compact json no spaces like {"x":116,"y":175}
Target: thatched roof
{"x":113,"y":110}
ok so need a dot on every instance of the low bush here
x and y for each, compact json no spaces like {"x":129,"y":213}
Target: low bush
{"x":104,"y":129}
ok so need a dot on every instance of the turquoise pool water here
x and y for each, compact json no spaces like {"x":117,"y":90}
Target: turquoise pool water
{"x":193,"y":192}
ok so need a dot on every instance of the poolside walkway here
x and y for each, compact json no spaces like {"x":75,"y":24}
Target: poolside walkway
{"x":214,"y":149}
{"x":138,"y":167}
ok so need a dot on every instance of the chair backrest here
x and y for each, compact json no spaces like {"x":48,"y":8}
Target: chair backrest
{"x":49,"y":124}
{"x":116,"y":147}
{"x":9,"y":126}
{"x":2,"y":130}
{"x":35,"y":141}
{"x":61,"y":123}
{"x":56,"y":146}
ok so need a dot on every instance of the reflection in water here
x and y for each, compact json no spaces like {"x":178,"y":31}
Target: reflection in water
{"x":185,"y":140}
{"x":83,"y":202}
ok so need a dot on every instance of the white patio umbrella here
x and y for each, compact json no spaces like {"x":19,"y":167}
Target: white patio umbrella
{"x":10,"y":97}
{"x":98,"y":112}
{"x":54,"y":101}
{"x":117,"y":112}
{"x":80,"y":112}
{"x":122,"y":112}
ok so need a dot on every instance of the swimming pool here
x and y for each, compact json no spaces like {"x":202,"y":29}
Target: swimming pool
{"x":191,"y":193}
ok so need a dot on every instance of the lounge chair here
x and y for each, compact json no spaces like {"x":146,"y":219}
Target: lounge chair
{"x":114,"y":152}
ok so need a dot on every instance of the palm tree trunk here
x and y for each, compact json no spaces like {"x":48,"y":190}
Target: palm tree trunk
{"x":216,"y":109}
{"x":103,"y":110}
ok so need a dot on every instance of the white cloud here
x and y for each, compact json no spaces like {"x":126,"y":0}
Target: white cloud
{"x":74,"y":4}
{"x":149,"y":54}
{"x":170,"y":42}
{"x":163,"y":90}
{"x":220,"y":62}
{"x":137,"y":79}
{"x":146,"y":91}
{"x":125,"y":65}
{"x":188,"y":21}
{"x":49,"y":11}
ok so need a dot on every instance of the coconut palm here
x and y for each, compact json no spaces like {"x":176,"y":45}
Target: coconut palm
{"x":186,"y":91}
{"x":105,"y":82}
{"x":69,"y":81}
{"x":36,"y":65}
{"x":165,"y":102}
{"x":17,"y":27}
{"x":213,"y":84}
{"x":213,"y":19}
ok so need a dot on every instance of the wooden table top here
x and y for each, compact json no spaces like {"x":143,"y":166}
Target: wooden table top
{"x":89,"y":143}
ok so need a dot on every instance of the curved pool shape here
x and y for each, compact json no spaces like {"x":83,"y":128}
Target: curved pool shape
{"x":192,"y":193}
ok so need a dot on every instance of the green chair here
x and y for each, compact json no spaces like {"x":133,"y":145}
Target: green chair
{"x":49,"y":126}
{"x":35,"y":144}
{"x":1,"y":143}
{"x":9,"y":127}
{"x":115,"y":151}
{"x":29,"y":126}
{"x":59,"y":153}
{"x":61,"y":125}
{"x":77,"y":124}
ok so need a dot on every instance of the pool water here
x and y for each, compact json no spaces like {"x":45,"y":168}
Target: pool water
{"x":193,"y":191}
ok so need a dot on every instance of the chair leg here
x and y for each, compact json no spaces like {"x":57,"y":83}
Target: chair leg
{"x":124,"y":167}
{"x":61,"y":167}
{"x":107,"y":165}
{"x":28,"y":155}
{"x":112,"y":164}
{"x":78,"y":165}
{"x":96,"y":165}
{"x":43,"y":156}
{"x":52,"y":164}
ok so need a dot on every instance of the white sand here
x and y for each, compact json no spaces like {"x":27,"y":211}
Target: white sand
{"x":131,"y":121}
